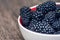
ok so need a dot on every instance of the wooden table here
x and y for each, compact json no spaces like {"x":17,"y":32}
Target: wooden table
{"x":9,"y":12}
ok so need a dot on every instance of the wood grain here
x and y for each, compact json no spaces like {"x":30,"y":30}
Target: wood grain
{"x":9,"y":12}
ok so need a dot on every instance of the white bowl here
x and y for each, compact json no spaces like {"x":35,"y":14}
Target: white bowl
{"x":30,"y":35}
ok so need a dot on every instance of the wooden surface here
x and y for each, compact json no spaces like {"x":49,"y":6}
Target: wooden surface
{"x":9,"y":12}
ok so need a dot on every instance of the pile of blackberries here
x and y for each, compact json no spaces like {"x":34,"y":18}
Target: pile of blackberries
{"x":46,"y":18}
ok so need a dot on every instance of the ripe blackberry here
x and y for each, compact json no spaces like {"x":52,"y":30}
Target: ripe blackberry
{"x":50,"y":17}
{"x":32,"y":24}
{"x":57,"y":32}
{"x":25,"y":21}
{"x":42,"y":27}
{"x":40,"y":8}
{"x":25,"y":13}
{"x":46,"y":28}
{"x":50,"y":5}
{"x":47,"y":6}
{"x":37,"y":15}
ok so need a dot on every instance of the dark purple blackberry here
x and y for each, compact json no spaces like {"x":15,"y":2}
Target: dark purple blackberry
{"x":41,"y":9}
{"x":57,"y":32}
{"x":41,"y":27}
{"x":37,"y":15}
{"x":32,"y":24}
{"x":50,"y":5}
{"x":25,"y":13}
{"x":50,"y":17}
{"x":47,"y":6}
{"x":25,"y":21}
{"x":46,"y":28}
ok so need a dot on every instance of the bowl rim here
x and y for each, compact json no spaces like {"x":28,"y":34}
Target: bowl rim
{"x":20,"y":25}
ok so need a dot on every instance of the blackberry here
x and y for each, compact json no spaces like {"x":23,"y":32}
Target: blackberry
{"x":40,"y":8}
{"x":25,"y":13}
{"x":25,"y":21}
{"x":50,"y":17}
{"x":42,"y":27}
{"x":46,"y":7}
{"x":37,"y":15}
{"x":32,"y":24}
{"x":46,"y":28}
{"x":56,"y":25}
{"x":57,"y":32}
{"x":50,"y":5}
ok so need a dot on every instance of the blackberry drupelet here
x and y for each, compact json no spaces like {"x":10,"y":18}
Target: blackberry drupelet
{"x":37,"y":15}
{"x":50,"y":17}
{"x":25,"y":13}
{"x":59,"y":19}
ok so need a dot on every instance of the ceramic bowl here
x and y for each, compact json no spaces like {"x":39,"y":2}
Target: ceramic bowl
{"x":30,"y":35}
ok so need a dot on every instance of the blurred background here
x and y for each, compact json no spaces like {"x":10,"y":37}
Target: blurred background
{"x":9,"y":12}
